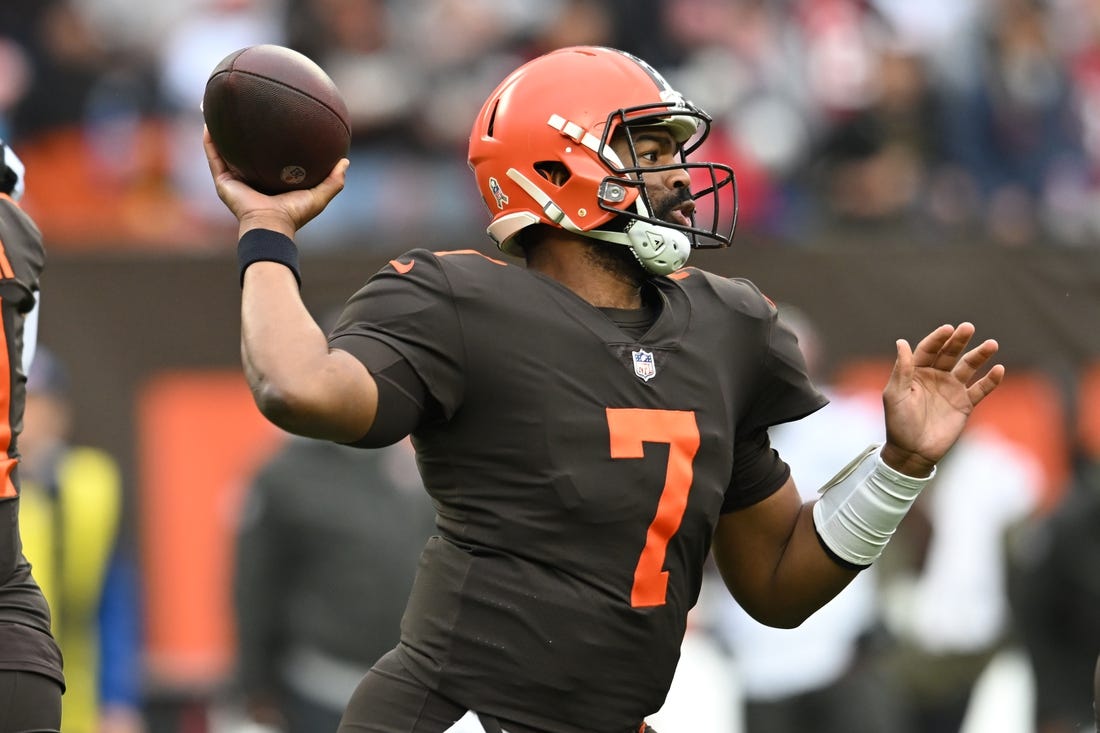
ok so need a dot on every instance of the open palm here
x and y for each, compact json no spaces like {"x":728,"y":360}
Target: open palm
{"x":931,"y":393}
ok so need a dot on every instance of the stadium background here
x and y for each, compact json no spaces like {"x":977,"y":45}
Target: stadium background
{"x":880,"y":203}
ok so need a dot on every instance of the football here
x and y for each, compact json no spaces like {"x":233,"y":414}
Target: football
{"x":276,"y":118}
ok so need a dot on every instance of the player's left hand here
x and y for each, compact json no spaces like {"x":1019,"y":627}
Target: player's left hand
{"x":931,"y":393}
{"x":286,"y":212}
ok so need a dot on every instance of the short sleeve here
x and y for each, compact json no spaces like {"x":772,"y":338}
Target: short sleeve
{"x":758,"y":472}
{"x":408,"y":306}
{"x":783,"y":390}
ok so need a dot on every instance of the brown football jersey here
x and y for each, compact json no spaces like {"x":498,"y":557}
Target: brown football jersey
{"x":578,"y":470}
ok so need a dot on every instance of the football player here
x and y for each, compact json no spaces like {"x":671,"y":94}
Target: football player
{"x":590,"y":417}
{"x":31,"y":680}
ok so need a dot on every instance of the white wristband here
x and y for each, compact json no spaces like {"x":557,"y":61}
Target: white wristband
{"x":861,"y":506}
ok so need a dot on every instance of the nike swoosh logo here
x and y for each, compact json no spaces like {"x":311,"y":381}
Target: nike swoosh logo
{"x":402,"y":267}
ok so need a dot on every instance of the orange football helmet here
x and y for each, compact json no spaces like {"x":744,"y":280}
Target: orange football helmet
{"x":563,"y":108}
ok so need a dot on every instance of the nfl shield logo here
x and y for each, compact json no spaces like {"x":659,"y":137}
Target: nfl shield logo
{"x":644,"y":366}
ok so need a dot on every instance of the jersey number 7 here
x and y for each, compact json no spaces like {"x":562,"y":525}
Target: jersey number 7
{"x":630,"y":429}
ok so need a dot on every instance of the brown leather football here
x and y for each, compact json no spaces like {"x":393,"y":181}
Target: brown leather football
{"x":276,"y":118}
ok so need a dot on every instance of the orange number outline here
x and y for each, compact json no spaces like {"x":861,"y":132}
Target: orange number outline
{"x":629,"y":429}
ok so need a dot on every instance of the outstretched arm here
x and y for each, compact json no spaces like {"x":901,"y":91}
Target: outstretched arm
{"x":782,"y":559}
{"x":298,"y":383}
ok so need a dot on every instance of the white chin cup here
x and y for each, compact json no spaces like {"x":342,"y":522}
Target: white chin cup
{"x":661,"y":250}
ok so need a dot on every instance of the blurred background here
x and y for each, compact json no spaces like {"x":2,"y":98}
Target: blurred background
{"x":899,"y":165}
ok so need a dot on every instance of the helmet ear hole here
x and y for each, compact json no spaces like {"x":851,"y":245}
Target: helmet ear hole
{"x":553,"y":171}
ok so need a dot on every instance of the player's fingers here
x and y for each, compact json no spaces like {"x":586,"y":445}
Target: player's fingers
{"x":954,"y":347}
{"x":213,"y":157}
{"x":981,"y":388}
{"x":973,"y":360}
{"x":327,"y":189}
{"x":336,"y":177}
{"x":928,"y":348}
{"x":904,"y":366}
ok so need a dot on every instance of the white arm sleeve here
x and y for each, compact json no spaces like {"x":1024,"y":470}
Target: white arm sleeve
{"x":861,"y":506}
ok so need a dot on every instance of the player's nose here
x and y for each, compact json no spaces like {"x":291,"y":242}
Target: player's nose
{"x":677,"y":178}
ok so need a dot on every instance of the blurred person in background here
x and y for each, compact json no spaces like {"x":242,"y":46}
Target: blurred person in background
{"x":91,"y":114}
{"x":326,"y":551}
{"x":1076,"y":25}
{"x":31,"y":679}
{"x":73,"y":518}
{"x":1055,"y":595}
{"x":67,"y":60}
{"x":872,"y":169}
{"x":827,"y":675}
{"x":1011,"y":124}
{"x":947,"y":601}
{"x":17,"y":19}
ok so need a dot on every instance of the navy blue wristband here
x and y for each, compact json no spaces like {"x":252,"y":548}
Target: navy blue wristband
{"x":264,"y":245}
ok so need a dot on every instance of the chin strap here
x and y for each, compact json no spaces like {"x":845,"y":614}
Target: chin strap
{"x":660,"y":250}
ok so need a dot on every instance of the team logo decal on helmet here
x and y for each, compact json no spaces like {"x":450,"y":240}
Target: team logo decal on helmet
{"x":498,"y":193}
{"x":546,"y":132}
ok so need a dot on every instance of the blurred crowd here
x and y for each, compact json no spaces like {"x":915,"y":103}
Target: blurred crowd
{"x":938,"y":122}
{"x":959,"y":121}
